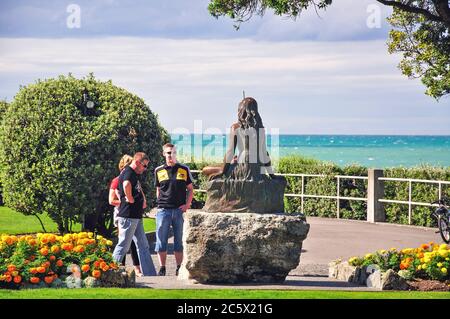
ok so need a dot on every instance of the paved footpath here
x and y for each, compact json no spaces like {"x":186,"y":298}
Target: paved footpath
{"x":328,"y":239}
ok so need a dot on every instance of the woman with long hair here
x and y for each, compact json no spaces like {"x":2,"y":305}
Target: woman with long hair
{"x":114,"y":200}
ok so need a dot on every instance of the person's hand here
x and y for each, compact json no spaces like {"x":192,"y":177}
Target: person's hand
{"x":130,"y":200}
{"x":184,"y":208}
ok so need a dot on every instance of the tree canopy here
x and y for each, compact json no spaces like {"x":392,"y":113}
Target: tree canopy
{"x":420,"y":32}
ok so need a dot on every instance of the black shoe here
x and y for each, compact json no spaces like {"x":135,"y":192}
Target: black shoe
{"x":178,"y":270}
{"x":162,"y":271}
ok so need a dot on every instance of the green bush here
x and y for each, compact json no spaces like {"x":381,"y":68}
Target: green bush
{"x":58,"y":157}
{"x":3,"y":106}
{"x":421,"y":192}
{"x":326,"y":186}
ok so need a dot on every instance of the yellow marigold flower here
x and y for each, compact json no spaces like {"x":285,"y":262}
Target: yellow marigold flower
{"x":439,"y":265}
{"x":67,"y":238}
{"x":109,"y":242}
{"x":444,"y":270}
{"x":382,"y":251}
{"x":443,"y":246}
{"x":99,"y":237}
{"x":407,"y":251}
{"x":55,"y":249}
{"x":443,"y":253}
{"x":90,"y":235}
{"x":367,"y":256}
{"x":393,"y":248}
{"x":419,"y":267}
{"x":83,"y":235}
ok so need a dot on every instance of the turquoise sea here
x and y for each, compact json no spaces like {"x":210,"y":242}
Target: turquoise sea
{"x":378,"y":151}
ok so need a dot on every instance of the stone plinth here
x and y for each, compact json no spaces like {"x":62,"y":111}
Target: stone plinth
{"x":245,"y":196}
{"x":241,"y":247}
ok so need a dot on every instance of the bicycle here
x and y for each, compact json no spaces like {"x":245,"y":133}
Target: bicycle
{"x":442,"y":215}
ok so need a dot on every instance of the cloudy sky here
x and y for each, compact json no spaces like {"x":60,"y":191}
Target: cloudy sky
{"x":326,"y":74}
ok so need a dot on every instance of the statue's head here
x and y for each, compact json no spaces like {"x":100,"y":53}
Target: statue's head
{"x":248,"y":115}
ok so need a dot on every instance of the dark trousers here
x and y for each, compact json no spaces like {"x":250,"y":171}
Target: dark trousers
{"x":134,"y":255}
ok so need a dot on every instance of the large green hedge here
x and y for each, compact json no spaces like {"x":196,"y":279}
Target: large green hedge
{"x":58,"y":157}
{"x":3,"y":106}
{"x":395,"y":213}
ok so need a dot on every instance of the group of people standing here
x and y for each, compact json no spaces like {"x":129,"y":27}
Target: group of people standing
{"x":174,"y":193}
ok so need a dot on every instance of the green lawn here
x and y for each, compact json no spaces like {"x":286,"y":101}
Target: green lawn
{"x":12,"y":222}
{"x":140,"y":293}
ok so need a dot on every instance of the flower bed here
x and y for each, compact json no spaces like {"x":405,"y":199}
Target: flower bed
{"x":417,"y":267}
{"x":429,"y":261}
{"x":43,"y":260}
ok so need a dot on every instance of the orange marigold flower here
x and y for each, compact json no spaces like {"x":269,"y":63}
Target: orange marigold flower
{"x":44,"y":251}
{"x":55,"y":249}
{"x":79,"y":249}
{"x":32,"y":242}
{"x":48,"y":279}
{"x":11,"y":267}
{"x":96,"y":273}
{"x":33,"y":270}
{"x":8,"y":278}
{"x":102,"y":264}
{"x":46,"y":264}
{"x":96,"y":264}
{"x":85,"y":268}
{"x":59,"y":263}
{"x":41,"y":270}
{"x":34,"y":280}
{"x":17,"y":279}
{"x":52,"y":258}
{"x":106,"y":268}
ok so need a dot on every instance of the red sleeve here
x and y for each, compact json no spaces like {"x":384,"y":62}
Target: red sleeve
{"x":115,"y":183}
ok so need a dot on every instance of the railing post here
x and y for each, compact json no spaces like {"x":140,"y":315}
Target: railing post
{"x":303,"y":190}
{"x":337,"y":199}
{"x":375,"y":191}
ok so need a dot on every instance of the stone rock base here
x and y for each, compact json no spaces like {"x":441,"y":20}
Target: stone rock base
{"x":241,"y":247}
{"x":230,"y":195}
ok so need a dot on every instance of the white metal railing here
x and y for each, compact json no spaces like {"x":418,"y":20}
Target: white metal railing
{"x":409,"y":202}
{"x":302,"y":195}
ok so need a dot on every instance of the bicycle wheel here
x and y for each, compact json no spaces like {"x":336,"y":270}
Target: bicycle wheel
{"x":444,"y":229}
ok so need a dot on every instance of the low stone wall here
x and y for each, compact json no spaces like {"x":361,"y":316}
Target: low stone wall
{"x":369,"y":276}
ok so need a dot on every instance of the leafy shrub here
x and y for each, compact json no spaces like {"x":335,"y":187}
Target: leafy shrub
{"x":3,"y":106}
{"x":421,"y":192}
{"x":58,"y":157}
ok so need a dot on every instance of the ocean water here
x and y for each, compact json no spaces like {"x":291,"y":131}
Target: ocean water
{"x":378,"y":151}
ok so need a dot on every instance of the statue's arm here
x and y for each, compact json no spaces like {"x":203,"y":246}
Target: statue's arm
{"x":232,"y":145}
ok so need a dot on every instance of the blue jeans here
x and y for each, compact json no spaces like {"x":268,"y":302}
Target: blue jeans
{"x":133,"y":229}
{"x":165,"y":217}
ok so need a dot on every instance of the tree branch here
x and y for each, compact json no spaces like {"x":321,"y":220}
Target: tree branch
{"x":412,"y":9}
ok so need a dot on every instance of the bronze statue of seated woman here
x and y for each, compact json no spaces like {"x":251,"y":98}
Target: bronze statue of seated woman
{"x":245,"y":182}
